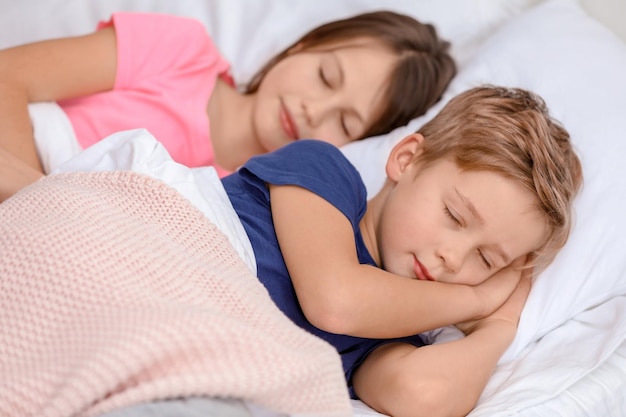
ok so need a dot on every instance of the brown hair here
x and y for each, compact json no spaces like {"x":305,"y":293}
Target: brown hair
{"x":510,"y":131}
{"x":423,"y":70}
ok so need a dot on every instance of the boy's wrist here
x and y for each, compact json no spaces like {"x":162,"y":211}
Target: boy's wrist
{"x":482,"y":305}
{"x":501,"y":328}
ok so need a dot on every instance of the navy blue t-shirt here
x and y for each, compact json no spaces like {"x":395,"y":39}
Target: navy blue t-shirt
{"x":322,"y":169}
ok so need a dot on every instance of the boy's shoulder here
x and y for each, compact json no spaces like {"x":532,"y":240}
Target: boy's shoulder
{"x":306,"y":154}
{"x":315,"y":146}
{"x":311,"y":163}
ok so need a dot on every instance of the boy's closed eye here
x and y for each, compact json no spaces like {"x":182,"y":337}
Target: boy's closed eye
{"x":483,"y":257}
{"x":485,"y":260}
{"x":453,"y":217}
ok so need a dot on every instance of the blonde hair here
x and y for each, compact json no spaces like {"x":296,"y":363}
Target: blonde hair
{"x":509,"y":131}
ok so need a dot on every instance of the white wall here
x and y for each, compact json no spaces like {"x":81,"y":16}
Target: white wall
{"x":611,"y":13}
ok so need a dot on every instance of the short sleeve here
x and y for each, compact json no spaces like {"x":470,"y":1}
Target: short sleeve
{"x":318,"y":167}
{"x":151,"y":44}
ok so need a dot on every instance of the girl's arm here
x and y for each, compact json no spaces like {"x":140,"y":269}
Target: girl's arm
{"x":444,"y":379}
{"x":50,"y":71}
{"x":339,"y":295}
{"x":15,"y":174}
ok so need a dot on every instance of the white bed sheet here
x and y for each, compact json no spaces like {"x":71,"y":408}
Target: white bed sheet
{"x":538,"y":385}
{"x":577,"y":369}
{"x":601,"y":393}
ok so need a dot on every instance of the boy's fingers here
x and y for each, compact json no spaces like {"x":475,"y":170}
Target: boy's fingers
{"x":522,"y":290}
{"x":498,"y":288}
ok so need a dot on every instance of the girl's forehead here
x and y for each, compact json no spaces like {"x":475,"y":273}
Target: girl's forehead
{"x":355,"y":42}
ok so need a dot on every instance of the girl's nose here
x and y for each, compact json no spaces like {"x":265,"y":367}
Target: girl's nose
{"x":319,"y":109}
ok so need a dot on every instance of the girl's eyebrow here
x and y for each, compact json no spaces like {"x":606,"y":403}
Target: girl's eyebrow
{"x":476,"y":215}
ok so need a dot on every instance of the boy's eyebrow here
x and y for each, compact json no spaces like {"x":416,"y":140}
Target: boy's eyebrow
{"x":472,"y":209}
{"x":470,"y":206}
{"x":502,"y":254}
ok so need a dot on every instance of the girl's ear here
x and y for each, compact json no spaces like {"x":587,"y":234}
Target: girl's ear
{"x":402,"y":156}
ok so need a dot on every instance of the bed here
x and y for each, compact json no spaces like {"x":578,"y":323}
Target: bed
{"x":569,"y":357}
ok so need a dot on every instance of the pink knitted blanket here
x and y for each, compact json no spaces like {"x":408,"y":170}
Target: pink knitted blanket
{"x":115,"y":290}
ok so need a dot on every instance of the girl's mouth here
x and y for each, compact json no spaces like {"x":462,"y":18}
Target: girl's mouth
{"x":287,"y":123}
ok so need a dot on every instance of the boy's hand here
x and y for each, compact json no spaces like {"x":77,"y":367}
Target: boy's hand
{"x":509,"y":312}
{"x":494,"y":291}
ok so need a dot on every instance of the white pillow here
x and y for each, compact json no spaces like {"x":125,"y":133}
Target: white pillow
{"x":579,"y":70}
{"x":578,"y":67}
{"x":250,"y":32}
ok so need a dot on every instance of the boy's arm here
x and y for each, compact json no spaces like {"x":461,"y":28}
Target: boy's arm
{"x":444,"y":379}
{"x":50,"y":71}
{"x":339,"y":295}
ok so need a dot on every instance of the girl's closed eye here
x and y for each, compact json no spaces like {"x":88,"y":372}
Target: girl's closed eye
{"x":344,"y":125}
{"x":324,"y":77}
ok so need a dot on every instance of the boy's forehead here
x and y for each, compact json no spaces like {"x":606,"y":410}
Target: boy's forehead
{"x":505,"y":207}
{"x":497,"y":205}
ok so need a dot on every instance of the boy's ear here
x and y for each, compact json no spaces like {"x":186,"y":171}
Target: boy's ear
{"x":402,"y":156}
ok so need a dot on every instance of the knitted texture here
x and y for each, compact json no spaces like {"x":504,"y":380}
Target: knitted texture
{"x":115,"y":290}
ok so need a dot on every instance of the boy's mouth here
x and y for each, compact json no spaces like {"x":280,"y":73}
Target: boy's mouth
{"x":420,"y":270}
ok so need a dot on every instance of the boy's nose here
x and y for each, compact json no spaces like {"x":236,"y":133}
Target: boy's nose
{"x":452,"y":258}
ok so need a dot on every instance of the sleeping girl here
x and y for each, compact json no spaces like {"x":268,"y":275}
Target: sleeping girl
{"x":342,"y":81}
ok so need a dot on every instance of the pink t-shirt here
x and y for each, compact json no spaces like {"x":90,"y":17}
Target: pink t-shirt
{"x":167,"y":67}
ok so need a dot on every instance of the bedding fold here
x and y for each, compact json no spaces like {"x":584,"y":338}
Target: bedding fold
{"x":115,"y":290}
{"x":53,"y":133}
